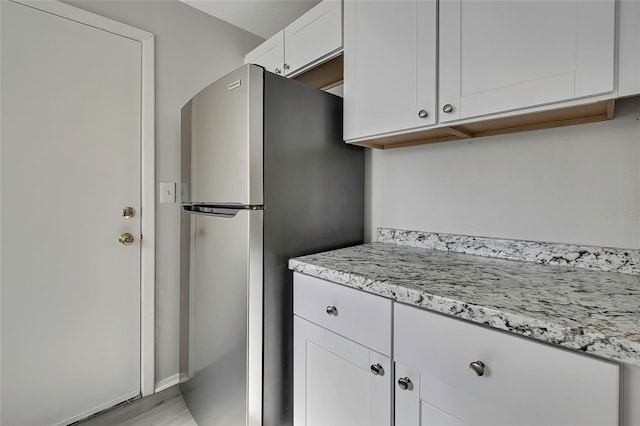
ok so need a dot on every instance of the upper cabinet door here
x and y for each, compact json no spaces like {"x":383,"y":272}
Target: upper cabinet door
{"x":269,"y":54}
{"x":498,"y":56}
{"x":389,"y":66}
{"x":314,"y":35}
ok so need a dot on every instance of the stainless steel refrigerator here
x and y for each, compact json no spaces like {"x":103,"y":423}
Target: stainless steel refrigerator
{"x":266,"y":177}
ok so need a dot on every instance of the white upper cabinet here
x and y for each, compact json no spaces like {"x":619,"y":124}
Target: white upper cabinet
{"x":500,"y":56}
{"x":311,"y":39}
{"x":269,"y":54}
{"x":389,"y":66}
{"x":313,"y":36}
{"x":629,"y":48}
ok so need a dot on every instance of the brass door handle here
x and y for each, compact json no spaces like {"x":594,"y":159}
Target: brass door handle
{"x":126,"y":239}
{"x":128,"y":212}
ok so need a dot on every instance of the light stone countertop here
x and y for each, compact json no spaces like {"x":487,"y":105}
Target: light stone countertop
{"x":592,"y":311}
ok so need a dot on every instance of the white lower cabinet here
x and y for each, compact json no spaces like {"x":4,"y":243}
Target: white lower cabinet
{"x":342,"y":369}
{"x":444,"y":371}
{"x":450,"y":372}
{"x":337,"y":381}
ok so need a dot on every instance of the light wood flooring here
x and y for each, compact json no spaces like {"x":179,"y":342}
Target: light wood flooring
{"x":166,"y":408}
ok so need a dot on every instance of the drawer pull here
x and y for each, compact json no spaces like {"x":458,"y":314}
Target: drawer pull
{"x":377,"y":370}
{"x":404,"y":383}
{"x":332,"y":310}
{"x":478,"y":367}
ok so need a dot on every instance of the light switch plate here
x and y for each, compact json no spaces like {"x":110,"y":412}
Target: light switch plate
{"x":167,"y":192}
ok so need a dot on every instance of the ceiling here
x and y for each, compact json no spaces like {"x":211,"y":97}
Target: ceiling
{"x":263,"y":18}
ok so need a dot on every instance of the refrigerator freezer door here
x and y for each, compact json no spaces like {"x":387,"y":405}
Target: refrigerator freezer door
{"x":225,"y":319}
{"x":222,"y":141}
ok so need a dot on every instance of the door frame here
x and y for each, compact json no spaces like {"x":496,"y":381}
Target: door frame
{"x":147,"y":171}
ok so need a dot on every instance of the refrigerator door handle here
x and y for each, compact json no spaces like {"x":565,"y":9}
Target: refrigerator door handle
{"x":227,"y":213}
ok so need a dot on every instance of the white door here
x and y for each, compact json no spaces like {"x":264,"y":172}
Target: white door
{"x":71,"y":106}
{"x":389,"y":66}
{"x":503,"y":55}
{"x":334,"y":380}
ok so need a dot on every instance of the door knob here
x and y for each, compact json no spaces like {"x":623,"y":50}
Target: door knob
{"x":278,"y":71}
{"x":286,"y":66}
{"x":128,"y":212}
{"x":332,"y":310}
{"x":448,"y":108}
{"x":423,"y":113}
{"x":404,"y":383}
{"x":125,"y":239}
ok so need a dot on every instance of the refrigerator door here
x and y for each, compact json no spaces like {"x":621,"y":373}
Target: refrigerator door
{"x":225,"y":318}
{"x":222,"y":140}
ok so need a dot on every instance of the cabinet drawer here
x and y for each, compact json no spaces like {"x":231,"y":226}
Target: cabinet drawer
{"x":524,"y":382}
{"x":354,"y":314}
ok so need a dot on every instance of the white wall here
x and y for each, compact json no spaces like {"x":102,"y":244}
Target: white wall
{"x":578,"y":184}
{"x":192,"y":50}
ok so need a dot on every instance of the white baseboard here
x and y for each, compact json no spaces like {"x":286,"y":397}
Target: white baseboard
{"x":166,"y":383}
{"x":170,"y":381}
{"x":99,"y":408}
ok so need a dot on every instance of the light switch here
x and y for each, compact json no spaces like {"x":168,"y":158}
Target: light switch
{"x":167,"y":192}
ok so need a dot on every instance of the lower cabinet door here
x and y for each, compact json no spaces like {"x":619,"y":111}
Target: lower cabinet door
{"x":411,"y":409}
{"x":452,"y":372}
{"x":337,"y":381}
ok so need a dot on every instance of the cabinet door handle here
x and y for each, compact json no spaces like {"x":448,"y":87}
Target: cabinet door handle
{"x":423,"y":113}
{"x":447,"y":108}
{"x":278,"y":71}
{"x":377,"y":370}
{"x":404,"y":383}
{"x":478,"y":367}
{"x":332,"y":310}
{"x":286,"y":66}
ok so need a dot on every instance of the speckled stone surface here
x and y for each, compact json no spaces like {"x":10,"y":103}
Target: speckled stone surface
{"x":592,"y":311}
{"x":590,"y":257}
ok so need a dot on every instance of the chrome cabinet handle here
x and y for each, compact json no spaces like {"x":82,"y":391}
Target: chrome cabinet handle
{"x":404,"y":383}
{"x":377,"y":370}
{"x":423,"y":113}
{"x":478,"y":367}
{"x":332,"y":310}
{"x":278,"y":71}
{"x":286,"y":66}
{"x":447,"y":108}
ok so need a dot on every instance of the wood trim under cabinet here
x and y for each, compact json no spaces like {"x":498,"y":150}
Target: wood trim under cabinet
{"x":568,"y":116}
{"x":324,"y":76}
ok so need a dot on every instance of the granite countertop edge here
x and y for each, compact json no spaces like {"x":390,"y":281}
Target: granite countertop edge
{"x":620,"y":348}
